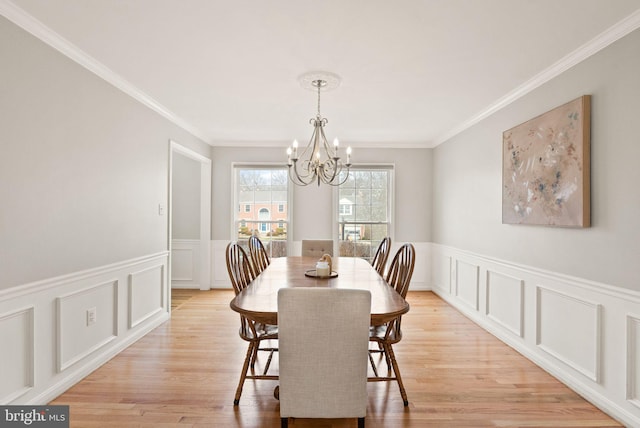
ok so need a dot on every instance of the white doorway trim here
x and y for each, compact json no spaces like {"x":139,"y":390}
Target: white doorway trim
{"x":205,"y":211}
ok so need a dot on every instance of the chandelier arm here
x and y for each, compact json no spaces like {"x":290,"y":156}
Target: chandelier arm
{"x":296,"y":179}
{"x":327,"y":149}
{"x":330,"y":166}
{"x":346,"y":177}
{"x":311,"y":145}
{"x":304,"y":177}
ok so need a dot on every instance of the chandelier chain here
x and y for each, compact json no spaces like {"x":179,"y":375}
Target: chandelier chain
{"x":319,"y":84}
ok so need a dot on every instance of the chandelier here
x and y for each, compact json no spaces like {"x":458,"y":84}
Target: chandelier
{"x":318,"y":162}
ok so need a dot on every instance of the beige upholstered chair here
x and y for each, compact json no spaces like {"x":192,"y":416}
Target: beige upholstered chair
{"x":382,"y":254}
{"x":241,"y":274}
{"x":317,"y":247}
{"x":259,"y":257}
{"x":399,"y":277}
{"x":323,"y":352}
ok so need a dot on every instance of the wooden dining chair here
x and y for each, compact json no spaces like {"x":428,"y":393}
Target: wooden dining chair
{"x":259,"y":257}
{"x":323,"y":352}
{"x":241,"y":274}
{"x":385,"y":336}
{"x":382,"y":254}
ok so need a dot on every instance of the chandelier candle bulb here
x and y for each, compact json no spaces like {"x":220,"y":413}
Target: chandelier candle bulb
{"x":336,"y":143}
{"x":289,"y":156}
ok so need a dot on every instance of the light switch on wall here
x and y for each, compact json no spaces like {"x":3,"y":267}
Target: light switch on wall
{"x":160,"y":209}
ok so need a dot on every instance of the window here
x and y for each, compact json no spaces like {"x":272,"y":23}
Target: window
{"x":264,"y":193}
{"x":346,"y":207}
{"x":364,"y":211}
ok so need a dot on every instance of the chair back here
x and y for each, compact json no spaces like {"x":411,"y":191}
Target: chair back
{"x":259,"y":256}
{"x":317,"y":247}
{"x":323,"y":341}
{"x":239,"y":267}
{"x":382,"y":254}
{"x":401,"y":269}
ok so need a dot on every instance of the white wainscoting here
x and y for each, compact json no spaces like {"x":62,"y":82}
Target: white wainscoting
{"x":584,"y":333}
{"x":45,"y":358}
{"x":633,"y":360}
{"x":76,"y":336}
{"x":421,"y":275}
{"x":17,"y":353}
{"x":583,"y":326}
{"x":185,"y":263}
{"x":505,"y":301}
{"x":467,"y":283}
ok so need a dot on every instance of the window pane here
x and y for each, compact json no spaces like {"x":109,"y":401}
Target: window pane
{"x":363,"y":212}
{"x":263,"y":193}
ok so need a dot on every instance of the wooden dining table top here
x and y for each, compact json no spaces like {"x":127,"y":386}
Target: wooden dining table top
{"x":259,"y":301}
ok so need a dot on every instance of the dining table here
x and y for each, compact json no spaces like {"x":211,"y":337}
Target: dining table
{"x":259,"y":301}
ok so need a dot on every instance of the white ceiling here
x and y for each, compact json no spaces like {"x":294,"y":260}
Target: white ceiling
{"x":413,"y":72}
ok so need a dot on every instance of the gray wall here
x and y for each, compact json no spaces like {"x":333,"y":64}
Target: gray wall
{"x":185,"y":194}
{"x":312,"y":205}
{"x":467,"y":177}
{"x":83,"y":166}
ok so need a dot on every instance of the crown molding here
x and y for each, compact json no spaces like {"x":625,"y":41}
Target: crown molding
{"x":601,"y":41}
{"x":30,"y":24}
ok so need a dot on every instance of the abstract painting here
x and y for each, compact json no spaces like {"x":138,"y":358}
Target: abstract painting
{"x":546,"y":168}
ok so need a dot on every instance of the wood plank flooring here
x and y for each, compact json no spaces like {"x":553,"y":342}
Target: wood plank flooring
{"x":185,"y":372}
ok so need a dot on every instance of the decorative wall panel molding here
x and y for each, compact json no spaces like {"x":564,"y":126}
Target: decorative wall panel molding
{"x":467,"y":283}
{"x":442,"y":272}
{"x":185,"y":263}
{"x":574,"y":339}
{"x":17,"y":353}
{"x":585,"y":333}
{"x":147,"y":294}
{"x":633,"y":360}
{"x":505,"y":301}
{"x":77,"y":335}
{"x":54,"y":341}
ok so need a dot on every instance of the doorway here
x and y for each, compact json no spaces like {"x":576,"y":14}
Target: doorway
{"x":189,"y":233}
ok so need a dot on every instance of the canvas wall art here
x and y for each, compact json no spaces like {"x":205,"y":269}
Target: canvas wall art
{"x":546,"y":168}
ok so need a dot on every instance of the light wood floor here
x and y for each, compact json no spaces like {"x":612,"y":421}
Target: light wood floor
{"x":184,"y":374}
